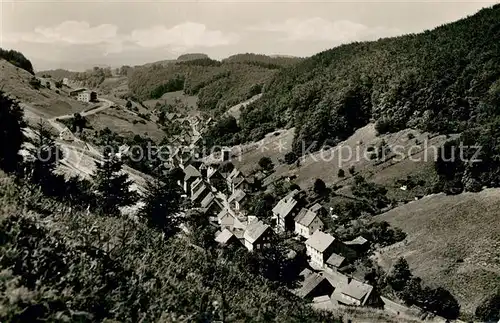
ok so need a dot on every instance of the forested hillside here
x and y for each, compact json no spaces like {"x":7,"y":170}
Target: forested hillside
{"x":18,"y":59}
{"x":218,"y":84}
{"x":446,"y":80}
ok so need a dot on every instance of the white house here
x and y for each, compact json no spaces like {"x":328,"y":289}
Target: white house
{"x":319,"y":247}
{"x":307,"y":222}
{"x":66,"y":135}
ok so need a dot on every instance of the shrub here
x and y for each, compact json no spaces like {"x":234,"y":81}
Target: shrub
{"x":341,"y":173}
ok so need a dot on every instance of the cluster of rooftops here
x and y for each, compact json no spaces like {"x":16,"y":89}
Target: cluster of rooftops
{"x":223,"y":196}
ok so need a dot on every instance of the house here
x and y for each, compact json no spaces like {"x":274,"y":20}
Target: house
{"x":75,"y":93}
{"x":210,"y":205}
{"x":86,"y":96}
{"x":359,"y":244}
{"x":257,"y":236}
{"x":195,"y":185}
{"x":190,"y":175}
{"x":200,"y":194}
{"x":214,"y":177}
{"x":236,"y":179}
{"x":319,"y":247}
{"x":318,"y":209}
{"x":66,"y":135}
{"x":237,"y":200}
{"x":226,"y":237}
{"x":228,"y":221}
{"x":349,"y":291}
{"x":335,"y":262}
{"x":284,"y":212}
{"x":306,"y":222}
{"x":315,"y":285}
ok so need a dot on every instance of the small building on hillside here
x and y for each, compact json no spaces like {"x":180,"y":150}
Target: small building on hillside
{"x":319,"y":247}
{"x":284,"y":213}
{"x":190,"y":175}
{"x":306,"y":222}
{"x":226,"y":237}
{"x":66,"y":135}
{"x":335,"y":262}
{"x":238,"y":200}
{"x":257,"y":236}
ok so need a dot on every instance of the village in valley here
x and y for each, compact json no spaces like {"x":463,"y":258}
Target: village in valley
{"x":216,"y":188}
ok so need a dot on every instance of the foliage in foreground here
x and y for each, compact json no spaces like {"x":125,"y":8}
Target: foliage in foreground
{"x":88,"y":268}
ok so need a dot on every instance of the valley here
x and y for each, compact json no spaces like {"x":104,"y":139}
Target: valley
{"x":257,"y":187}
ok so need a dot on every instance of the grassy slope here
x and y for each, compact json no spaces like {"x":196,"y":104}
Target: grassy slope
{"x":46,"y":103}
{"x":442,"y":231}
{"x":141,"y":275}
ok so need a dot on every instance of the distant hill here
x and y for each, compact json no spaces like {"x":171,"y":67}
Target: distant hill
{"x":440,"y":80}
{"x":219,"y":84}
{"x":191,"y":56}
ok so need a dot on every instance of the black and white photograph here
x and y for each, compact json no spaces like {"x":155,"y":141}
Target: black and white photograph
{"x":220,"y":161}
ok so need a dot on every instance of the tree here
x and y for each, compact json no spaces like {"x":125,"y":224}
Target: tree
{"x":441,"y":302}
{"x":266,"y":163}
{"x":290,"y":157}
{"x":11,"y":133}
{"x":319,"y":186}
{"x":46,"y":156}
{"x":161,"y":205}
{"x":128,"y":104}
{"x":489,"y":309}
{"x":412,"y":293}
{"x":352,"y":170}
{"x":340,"y":173}
{"x":399,"y":275}
{"x":113,"y":187}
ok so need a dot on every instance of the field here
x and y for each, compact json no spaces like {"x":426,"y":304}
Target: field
{"x":453,"y":241}
{"x":325,"y":164}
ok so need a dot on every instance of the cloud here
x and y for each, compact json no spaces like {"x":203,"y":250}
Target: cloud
{"x":178,"y":38}
{"x":319,"y":29}
{"x":68,"y":32}
{"x":183,"y":36}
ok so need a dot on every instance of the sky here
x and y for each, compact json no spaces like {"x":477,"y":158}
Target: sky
{"x":80,"y":34}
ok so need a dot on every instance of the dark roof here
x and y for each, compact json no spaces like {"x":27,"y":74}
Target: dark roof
{"x":305,"y":217}
{"x":198,"y":193}
{"x":310,"y":283}
{"x":316,"y":207}
{"x":207,"y":200}
{"x":335,"y":260}
{"x":320,"y":241}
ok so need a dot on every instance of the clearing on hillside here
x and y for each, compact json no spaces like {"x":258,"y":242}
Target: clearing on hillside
{"x":453,"y":241}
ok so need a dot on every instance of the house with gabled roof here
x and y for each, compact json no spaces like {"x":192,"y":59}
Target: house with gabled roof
{"x":238,"y":200}
{"x":257,"y":236}
{"x":319,"y":247}
{"x":201,"y":192}
{"x":227,"y":220}
{"x":190,"y":175}
{"x":315,"y":285}
{"x":226,"y":237}
{"x":284,"y":212}
{"x":306,"y":222}
{"x":210,"y":205}
{"x":335,"y":262}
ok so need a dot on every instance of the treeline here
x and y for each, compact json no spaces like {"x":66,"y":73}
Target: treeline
{"x":17,"y":59}
{"x":446,"y":80}
{"x":219,"y":84}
